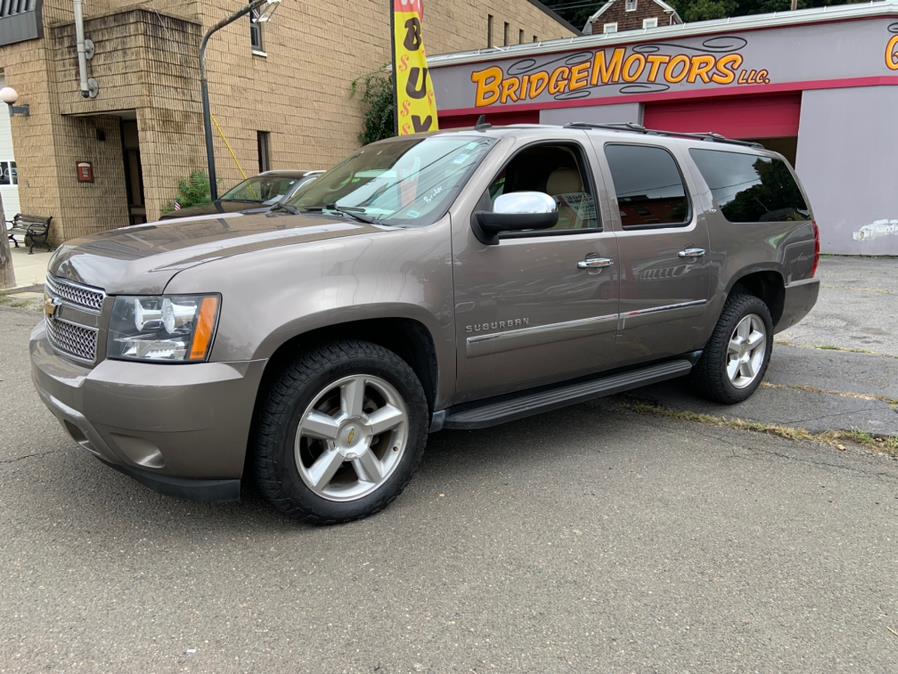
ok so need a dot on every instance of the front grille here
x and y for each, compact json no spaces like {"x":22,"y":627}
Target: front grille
{"x":75,"y":293}
{"x":74,"y":340}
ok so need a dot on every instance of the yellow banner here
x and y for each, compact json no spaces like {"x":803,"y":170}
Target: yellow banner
{"x":416,"y":106}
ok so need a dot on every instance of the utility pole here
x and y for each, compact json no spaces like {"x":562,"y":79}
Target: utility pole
{"x":7,"y":273}
{"x":264,"y":16}
{"x":794,"y":5}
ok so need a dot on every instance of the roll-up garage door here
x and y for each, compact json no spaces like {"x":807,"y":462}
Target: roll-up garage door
{"x":744,"y":116}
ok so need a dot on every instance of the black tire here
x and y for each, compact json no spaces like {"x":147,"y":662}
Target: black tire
{"x":709,"y":376}
{"x":283,"y":405}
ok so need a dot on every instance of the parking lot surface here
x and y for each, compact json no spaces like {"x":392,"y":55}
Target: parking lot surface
{"x":604,"y":537}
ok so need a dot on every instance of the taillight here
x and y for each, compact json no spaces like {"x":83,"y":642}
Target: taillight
{"x":816,"y":248}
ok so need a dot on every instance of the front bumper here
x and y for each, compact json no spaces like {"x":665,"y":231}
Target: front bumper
{"x":181,"y":429}
{"x":800,"y":298}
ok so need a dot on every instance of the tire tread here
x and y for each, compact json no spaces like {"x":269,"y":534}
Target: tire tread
{"x":708,"y":378}
{"x":277,"y":411}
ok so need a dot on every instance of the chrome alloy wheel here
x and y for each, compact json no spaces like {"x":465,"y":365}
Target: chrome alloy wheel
{"x":746,"y":350}
{"x":351,"y":437}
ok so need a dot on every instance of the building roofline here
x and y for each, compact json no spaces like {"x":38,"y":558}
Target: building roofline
{"x":555,"y":15}
{"x":877,"y":8}
{"x":595,"y":16}
{"x":587,"y":28}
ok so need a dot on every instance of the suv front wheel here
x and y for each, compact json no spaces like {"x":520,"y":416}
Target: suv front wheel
{"x":736,"y":357}
{"x":340,"y":433}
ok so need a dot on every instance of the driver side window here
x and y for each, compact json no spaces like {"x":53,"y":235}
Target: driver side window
{"x":559,"y":170}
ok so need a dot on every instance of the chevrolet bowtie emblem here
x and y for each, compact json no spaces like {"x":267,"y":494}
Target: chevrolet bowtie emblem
{"x":352,"y":436}
{"x":51,"y":305}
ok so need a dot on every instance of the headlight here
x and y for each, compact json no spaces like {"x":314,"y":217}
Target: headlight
{"x":174,"y":328}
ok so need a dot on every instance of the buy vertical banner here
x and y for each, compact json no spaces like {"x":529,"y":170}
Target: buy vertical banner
{"x":416,"y":107}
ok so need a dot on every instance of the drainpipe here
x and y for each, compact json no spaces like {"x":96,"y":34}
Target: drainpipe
{"x":89,"y":87}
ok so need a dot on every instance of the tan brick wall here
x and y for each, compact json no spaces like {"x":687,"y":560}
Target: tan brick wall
{"x":300,"y":92}
{"x":26,"y":68}
{"x":146,"y":63}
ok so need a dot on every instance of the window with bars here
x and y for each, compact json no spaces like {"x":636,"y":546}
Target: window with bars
{"x":20,"y":20}
{"x":13,"y":7}
{"x":9,"y":174}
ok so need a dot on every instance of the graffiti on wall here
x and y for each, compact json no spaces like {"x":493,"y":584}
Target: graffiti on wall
{"x":640,"y":69}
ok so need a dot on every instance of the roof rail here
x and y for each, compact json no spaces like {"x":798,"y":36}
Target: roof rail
{"x":709,"y":136}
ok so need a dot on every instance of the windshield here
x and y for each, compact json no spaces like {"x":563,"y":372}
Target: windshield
{"x":399,"y":182}
{"x":262,"y":189}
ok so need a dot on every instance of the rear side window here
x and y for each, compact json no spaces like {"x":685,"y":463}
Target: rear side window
{"x":649,"y":186}
{"x":751,"y":188}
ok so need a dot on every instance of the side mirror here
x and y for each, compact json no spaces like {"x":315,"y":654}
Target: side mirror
{"x":515,"y":212}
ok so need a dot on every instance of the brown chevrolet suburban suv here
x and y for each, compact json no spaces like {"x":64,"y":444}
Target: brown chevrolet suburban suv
{"x":456,"y":280}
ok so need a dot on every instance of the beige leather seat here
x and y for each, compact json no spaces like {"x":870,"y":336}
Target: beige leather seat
{"x":562,"y":182}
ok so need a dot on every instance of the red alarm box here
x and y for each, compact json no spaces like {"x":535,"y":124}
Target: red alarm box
{"x":85,"y":172}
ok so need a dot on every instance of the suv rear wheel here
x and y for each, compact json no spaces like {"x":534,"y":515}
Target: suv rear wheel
{"x":340,"y":433}
{"x":736,"y":357}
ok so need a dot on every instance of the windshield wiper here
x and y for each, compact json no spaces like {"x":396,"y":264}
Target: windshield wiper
{"x":287,"y":208}
{"x":354,"y":213}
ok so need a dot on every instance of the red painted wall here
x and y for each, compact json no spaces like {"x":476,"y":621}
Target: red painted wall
{"x":494,"y":118}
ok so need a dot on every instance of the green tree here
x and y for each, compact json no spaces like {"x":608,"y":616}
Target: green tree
{"x":579,"y":11}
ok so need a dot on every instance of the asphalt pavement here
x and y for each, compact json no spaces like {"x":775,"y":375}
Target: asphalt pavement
{"x":597,"y":538}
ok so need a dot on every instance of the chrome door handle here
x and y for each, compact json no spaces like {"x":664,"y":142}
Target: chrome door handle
{"x":595,"y":263}
{"x":692,"y":252}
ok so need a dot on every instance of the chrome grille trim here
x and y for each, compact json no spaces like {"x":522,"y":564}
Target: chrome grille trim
{"x":74,"y":293}
{"x":76,"y":341}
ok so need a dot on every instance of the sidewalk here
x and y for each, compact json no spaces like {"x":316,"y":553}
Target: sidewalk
{"x":31,"y":270}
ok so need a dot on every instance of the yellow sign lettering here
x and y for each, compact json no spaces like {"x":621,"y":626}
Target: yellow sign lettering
{"x":892,"y":53}
{"x":487,"y":82}
{"x":618,"y":66}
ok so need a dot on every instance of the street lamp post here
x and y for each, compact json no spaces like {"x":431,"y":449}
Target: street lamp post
{"x":265,"y":15}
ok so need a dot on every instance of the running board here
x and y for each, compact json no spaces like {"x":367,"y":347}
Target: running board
{"x":526,"y":404}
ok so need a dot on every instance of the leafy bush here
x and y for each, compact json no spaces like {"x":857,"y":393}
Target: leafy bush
{"x":192,"y":191}
{"x":378,"y":105}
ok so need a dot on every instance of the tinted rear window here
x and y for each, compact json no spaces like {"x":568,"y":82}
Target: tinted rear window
{"x":750,"y":188}
{"x":649,"y":186}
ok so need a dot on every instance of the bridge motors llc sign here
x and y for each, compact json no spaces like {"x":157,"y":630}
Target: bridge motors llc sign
{"x":596,"y":70}
{"x":644,"y":68}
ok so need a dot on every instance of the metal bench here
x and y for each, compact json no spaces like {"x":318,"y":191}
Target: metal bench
{"x":34,"y":229}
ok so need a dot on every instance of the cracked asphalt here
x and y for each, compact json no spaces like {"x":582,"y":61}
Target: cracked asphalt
{"x":591,"y":539}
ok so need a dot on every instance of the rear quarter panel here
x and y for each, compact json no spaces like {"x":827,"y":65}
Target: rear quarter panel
{"x":738,"y":249}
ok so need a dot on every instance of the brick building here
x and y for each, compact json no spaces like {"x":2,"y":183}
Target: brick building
{"x":616,"y":16}
{"x":283,"y":87}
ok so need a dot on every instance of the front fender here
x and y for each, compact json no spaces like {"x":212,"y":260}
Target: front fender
{"x":273,"y":295}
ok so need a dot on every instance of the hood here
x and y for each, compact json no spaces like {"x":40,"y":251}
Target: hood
{"x":142,"y":259}
{"x":215,"y":208}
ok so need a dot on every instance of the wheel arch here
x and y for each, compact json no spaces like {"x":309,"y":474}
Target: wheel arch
{"x":766,"y":284}
{"x":408,"y":338}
